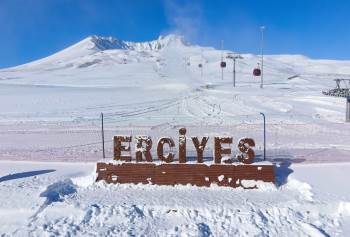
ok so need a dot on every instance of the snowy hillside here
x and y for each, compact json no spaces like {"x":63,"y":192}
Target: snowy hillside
{"x":158,"y":84}
{"x":164,"y":73}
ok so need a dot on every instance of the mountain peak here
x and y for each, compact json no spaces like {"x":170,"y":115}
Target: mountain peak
{"x":105,"y":43}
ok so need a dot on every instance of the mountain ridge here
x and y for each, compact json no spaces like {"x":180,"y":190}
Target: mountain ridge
{"x":98,"y":50}
{"x":109,"y":42}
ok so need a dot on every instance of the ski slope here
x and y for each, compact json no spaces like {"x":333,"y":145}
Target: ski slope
{"x":54,"y":103}
{"x":107,"y":75}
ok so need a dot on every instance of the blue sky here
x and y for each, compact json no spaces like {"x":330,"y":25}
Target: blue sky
{"x":33,"y":29}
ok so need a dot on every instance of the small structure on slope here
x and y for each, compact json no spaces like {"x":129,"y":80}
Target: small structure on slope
{"x":340,"y":91}
{"x":342,"y":88}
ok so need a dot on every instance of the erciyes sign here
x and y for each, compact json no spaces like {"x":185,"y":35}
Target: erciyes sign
{"x":167,"y":172}
{"x":144,"y":143}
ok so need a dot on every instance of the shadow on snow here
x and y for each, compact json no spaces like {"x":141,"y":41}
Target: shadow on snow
{"x":24,"y":175}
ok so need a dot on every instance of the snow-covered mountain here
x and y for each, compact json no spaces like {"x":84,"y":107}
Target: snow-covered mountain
{"x":101,"y":51}
{"x":160,"y":82}
{"x":165,"y":74}
{"x":97,"y":44}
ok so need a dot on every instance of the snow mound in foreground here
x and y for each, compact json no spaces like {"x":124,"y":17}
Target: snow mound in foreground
{"x":68,"y":202}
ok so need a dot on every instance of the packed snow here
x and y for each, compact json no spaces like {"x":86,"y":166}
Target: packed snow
{"x":63,"y":199}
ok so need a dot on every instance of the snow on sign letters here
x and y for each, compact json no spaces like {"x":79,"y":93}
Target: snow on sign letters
{"x":144,"y":145}
{"x":224,"y":170}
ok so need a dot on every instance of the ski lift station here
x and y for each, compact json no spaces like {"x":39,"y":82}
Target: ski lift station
{"x":342,"y":90}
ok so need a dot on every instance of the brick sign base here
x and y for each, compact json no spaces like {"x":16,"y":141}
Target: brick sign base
{"x":194,"y":174}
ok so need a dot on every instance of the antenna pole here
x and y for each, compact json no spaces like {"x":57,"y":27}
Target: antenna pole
{"x":262,"y":29}
{"x":264,"y":134}
{"x":202,"y":64}
{"x":103,"y":137}
{"x":347,"y":118}
{"x":234,"y":71}
{"x":222,"y":59}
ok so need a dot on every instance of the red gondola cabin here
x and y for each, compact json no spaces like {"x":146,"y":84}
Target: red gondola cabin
{"x":256,"y":72}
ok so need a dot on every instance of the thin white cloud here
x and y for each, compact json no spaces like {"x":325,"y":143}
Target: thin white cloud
{"x":184,"y":18}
